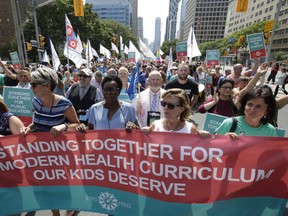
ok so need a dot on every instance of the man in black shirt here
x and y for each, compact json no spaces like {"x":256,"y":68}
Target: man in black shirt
{"x":183,"y":82}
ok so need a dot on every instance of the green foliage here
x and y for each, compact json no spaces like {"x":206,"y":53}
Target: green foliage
{"x":7,"y":48}
{"x":225,"y":43}
{"x":166,"y":48}
{"x":51,"y":22}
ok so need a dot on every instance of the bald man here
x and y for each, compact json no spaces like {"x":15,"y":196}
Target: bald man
{"x":147,"y":103}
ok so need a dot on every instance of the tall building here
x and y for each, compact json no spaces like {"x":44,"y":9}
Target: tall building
{"x":172,"y":20}
{"x":257,"y":11}
{"x":157,"y":37}
{"x":134,"y":4}
{"x":208,"y":18}
{"x":117,"y":10}
{"x":140,"y":28}
{"x":7,"y":30}
{"x":280,"y":42}
{"x":182,"y":5}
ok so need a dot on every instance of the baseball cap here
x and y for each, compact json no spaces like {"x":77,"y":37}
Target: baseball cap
{"x":174,"y":68}
{"x":86,"y":71}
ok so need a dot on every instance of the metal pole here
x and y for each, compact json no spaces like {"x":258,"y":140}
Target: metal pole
{"x":18,"y":37}
{"x":22,"y":34}
{"x":268,"y":55}
{"x":36,"y":29}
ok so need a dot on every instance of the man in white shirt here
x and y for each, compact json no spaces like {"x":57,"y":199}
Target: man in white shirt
{"x":147,"y":103}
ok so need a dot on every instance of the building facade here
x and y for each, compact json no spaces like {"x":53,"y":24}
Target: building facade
{"x":157,"y":36}
{"x":172,"y":20}
{"x":7,"y":29}
{"x":134,"y":5}
{"x":140,"y":28}
{"x":181,"y":14}
{"x":117,"y":10}
{"x":261,"y":10}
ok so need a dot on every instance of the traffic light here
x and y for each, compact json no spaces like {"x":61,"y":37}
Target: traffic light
{"x":240,"y":40}
{"x":28,"y":46}
{"x":267,"y":37}
{"x":42,"y":40}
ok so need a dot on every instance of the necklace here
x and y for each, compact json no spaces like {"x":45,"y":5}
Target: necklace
{"x":174,"y":128}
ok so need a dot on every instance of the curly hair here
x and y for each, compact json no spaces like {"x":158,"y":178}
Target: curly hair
{"x":183,"y":100}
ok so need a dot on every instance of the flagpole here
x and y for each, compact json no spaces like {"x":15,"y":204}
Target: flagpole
{"x":67,"y":44}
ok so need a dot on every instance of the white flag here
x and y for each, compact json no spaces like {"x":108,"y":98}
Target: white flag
{"x":45,"y":57}
{"x":104,"y":51}
{"x":192,"y":47}
{"x":79,"y":45}
{"x":161,"y":52}
{"x":88,"y":53}
{"x":55,"y":59}
{"x":132,"y":48}
{"x":121,"y":43}
{"x":94,"y":52}
{"x":126,"y":50}
{"x":170,"y":59}
{"x":145,"y":50}
{"x":114,"y":47}
{"x":71,"y":49}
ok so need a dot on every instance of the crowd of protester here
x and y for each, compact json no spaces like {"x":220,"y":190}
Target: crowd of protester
{"x":89,"y":98}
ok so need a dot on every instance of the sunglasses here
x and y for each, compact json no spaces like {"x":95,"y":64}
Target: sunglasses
{"x":169,"y":105}
{"x":81,"y":75}
{"x":34,"y":85}
{"x":111,"y":90}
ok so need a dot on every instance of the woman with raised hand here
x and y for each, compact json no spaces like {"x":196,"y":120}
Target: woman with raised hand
{"x":257,"y":109}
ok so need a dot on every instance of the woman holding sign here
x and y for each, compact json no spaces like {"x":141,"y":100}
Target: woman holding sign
{"x":177,"y":112}
{"x":52,"y":112}
{"x":257,"y":108}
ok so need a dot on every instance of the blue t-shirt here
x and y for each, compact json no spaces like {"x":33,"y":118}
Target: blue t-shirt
{"x":98,"y":116}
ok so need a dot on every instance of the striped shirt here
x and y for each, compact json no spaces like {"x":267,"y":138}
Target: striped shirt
{"x":44,"y":118}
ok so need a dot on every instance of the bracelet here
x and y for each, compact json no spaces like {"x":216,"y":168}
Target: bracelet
{"x":66,"y":126}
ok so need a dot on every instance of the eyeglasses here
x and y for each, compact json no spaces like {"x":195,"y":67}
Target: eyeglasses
{"x":169,"y":105}
{"x":111,"y":90}
{"x":227,"y":87}
{"x":82,"y":75}
{"x":34,"y":85}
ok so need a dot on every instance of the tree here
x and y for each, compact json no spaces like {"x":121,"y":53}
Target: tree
{"x":166,"y":47}
{"x":88,"y":27}
{"x":232,"y":40}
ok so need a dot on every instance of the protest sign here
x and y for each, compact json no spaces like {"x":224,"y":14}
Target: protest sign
{"x":19,"y":102}
{"x":256,"y":45}
{"x":212,"y":58}
{"x":181,"y":51}
{"x":112,"y":172}
{"x":213,"y":121}
{"x":15,"y":60}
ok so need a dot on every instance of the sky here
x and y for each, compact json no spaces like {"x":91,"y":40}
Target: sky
{"x":149,"y":10}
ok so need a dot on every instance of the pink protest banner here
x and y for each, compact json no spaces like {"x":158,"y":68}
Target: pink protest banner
{"x":168,"y":167}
